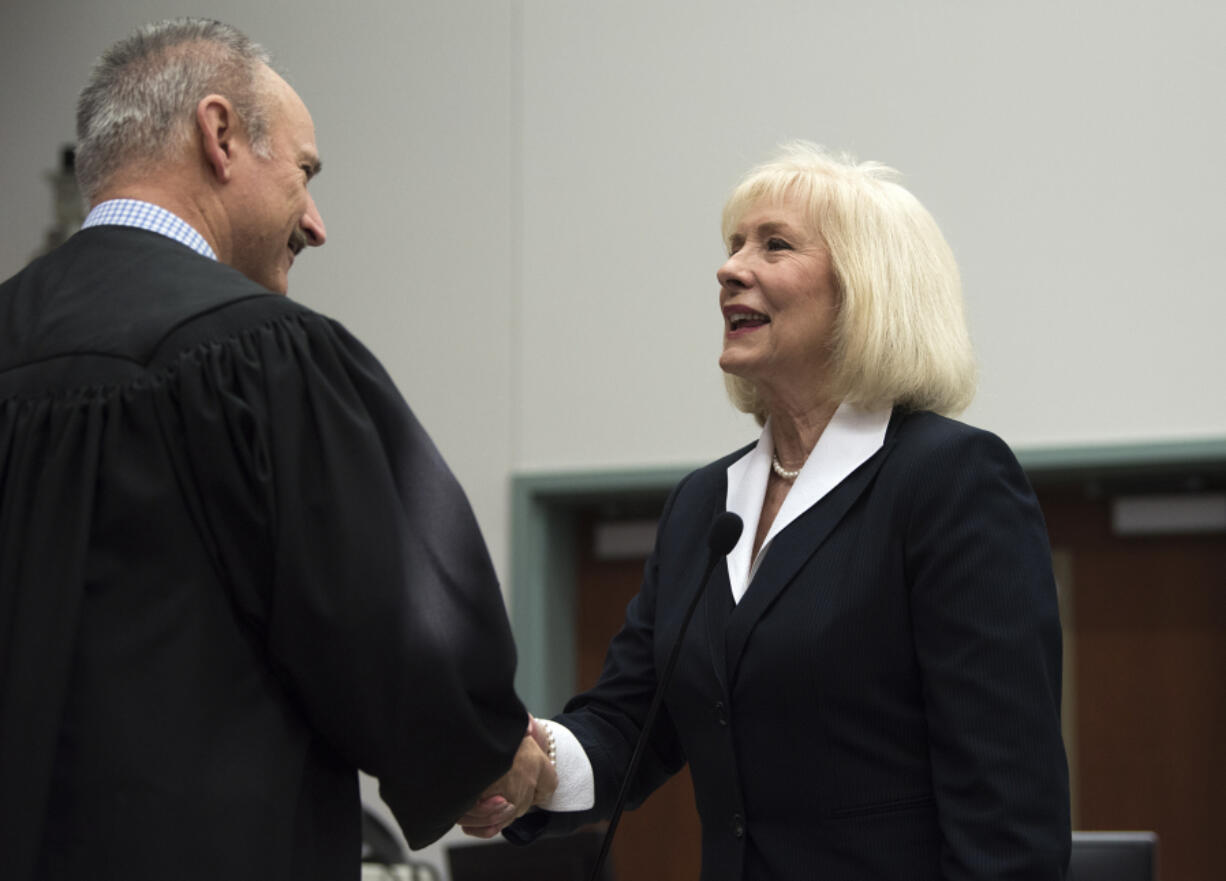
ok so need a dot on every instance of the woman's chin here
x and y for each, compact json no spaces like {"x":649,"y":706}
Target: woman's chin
{"x":735,"y":364}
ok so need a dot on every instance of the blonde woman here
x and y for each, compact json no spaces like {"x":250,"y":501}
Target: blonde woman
{"x":870,"y":687}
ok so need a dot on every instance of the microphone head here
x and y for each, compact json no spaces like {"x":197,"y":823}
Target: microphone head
{"x":724,"y":534}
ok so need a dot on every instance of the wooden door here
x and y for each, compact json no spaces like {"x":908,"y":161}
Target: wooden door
{"x":662,"y":839}
{"x":1145,"y":621}
{"x":1147,"y":617}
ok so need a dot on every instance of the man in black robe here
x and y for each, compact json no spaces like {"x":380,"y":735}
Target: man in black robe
{"x":233,"y":567}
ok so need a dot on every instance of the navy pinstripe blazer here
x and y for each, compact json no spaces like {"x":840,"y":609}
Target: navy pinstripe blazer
{"x":884,"y":701}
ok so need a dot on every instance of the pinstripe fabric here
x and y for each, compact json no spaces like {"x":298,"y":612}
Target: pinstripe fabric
{"x":882,"y":704}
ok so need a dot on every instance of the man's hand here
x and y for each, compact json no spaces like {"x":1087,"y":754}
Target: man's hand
{"x":531,"y":781}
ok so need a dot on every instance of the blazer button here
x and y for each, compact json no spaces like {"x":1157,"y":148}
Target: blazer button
{"x":720,"y":716}
{"x":738,"y":826}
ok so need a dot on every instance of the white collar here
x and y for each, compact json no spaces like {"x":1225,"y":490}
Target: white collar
{"x":852,"y":436}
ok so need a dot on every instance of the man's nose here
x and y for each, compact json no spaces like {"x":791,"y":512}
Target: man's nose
{"x":312,"y":225}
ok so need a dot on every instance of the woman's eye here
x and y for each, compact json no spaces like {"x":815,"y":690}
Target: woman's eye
{"x":775,"y":244}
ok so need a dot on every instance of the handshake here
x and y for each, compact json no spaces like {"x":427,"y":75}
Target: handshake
{"x":530,"y":782}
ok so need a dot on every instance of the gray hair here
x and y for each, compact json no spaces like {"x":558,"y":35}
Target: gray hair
{"x":142,"y":94}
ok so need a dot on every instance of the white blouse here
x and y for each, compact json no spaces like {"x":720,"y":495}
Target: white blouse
{"x":852,"y":436}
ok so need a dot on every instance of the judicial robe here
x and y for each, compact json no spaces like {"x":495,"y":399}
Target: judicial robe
{"x":233,"y":570}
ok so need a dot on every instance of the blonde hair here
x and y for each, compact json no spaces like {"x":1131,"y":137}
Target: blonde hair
{"x":900,"y":337}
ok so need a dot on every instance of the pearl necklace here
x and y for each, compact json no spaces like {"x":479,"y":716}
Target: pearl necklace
{"x":783,"y":472}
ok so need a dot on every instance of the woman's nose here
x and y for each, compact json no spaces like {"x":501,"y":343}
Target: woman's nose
{"x":734,"y":272}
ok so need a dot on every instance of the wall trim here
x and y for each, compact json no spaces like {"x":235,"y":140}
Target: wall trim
{"x":542,"y":538}
{"x":1041,"y":462}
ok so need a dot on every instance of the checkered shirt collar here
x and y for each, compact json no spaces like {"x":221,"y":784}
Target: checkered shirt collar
{"x":144,"y":215}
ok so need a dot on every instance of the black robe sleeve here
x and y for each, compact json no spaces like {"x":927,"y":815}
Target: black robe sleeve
{"x":350,"y":546}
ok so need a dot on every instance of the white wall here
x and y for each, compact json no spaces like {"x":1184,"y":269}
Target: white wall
{"x":1072,"y":152}
{"x":522,"y":198}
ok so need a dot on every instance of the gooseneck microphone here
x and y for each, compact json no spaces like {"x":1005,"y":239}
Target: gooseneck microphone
{"x":722,"y":538}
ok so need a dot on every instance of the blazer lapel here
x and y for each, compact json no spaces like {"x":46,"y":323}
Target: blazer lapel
{"x":789,"y":551}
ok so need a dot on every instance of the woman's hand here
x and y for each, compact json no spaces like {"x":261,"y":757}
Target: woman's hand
{"x":531,"y":781}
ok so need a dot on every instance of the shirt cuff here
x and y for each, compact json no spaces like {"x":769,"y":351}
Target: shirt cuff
{"x":576,"y":782}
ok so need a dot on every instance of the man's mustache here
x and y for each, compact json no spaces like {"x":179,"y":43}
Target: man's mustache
{"x":297,"y":241}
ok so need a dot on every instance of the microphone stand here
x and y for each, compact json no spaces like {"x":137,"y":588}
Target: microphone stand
{"x":725,"y":532}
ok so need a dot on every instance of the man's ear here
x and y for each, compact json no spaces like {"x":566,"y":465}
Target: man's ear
{"x":217,"y":127}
